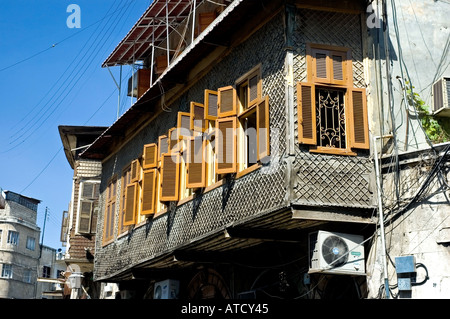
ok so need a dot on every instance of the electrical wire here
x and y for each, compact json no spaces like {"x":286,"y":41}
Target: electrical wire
{"x":40,"y":121}
{"x":56,"y":43}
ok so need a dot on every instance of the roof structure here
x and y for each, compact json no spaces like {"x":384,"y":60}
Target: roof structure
{"x":153,"y":26}
{"x":219,"y":33}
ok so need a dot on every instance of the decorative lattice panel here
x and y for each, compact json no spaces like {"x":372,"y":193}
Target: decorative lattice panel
{"x":333,"y":180}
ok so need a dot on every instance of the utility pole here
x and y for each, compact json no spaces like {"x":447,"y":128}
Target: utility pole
{"x":43,"y":232}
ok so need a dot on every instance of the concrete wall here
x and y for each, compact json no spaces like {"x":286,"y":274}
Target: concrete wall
{"x":415,"y":46}
{"x":422,"y":230}
{"x":15,"y":217}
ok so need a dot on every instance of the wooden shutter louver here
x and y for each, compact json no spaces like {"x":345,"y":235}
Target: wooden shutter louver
{"x":163,"y":145}
{"x":170,"y":177}
{"x":262,"y":128}
{"x":254,"y":90}
{"x":173,"y":144}
{"x":196,"y":163}
{"x":150,"y":156}
{"x":226,"y":161}
{"x":148,"y":191}
{"x":306,"y":113}
{"x":86,"y":209}
{"x":184,"y":125}
{"x":130,"y":204}
{"x":135,"y":171}
{"x":321,"y":66}
{"x":227,"y":101}
{"x":198,"y":122}
{"x":211,"y":105}
{"x":357,"y":119}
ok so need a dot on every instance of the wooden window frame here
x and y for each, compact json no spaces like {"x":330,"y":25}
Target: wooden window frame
{"x":162,"y":138}
{"x":136,"y":168}
{"x":135,"y":203}
{"x":194,"y":120}
{"x":242,"y":146}
{"x":329,"y":51}
{"x":150,"y":162}
{"x":174,"y":141}
{"x":308,"y":111}
{"x":153,"y":185}
{"x":220,"y":92}
{"x":219,"y":139}
{"x":262,"y":154}
{"x":93,"y":200}
{"x":181,"y":131}
{"x":126,"y":172}
{"x":243,"y":84}
{"x":175,"y":196}
{"x":206,"y":103}
{"x":189,"y":164}
{"x":109,"y":214}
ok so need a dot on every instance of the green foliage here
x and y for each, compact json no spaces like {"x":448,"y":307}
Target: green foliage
{"x":437,"y":129}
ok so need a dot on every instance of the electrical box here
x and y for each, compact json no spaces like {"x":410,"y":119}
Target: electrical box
{"x":405,"y":264}
{"x":404,"y":284}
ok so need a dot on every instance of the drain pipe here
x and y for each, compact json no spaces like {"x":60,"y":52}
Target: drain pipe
{"x":380,"y":213}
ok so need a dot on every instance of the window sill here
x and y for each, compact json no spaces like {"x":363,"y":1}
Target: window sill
{"x":106,"y":243}
{"x":332,"y":151}
{"x":248,"y":170}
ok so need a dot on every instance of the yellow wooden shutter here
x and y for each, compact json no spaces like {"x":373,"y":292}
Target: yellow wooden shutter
{"x":198,"y":122}
{"x":148,"y":191}
{"x":135,"y":171}
{"x":86,"y":208}
{"x":226,"y":161}
{"x":227,"y":101}
{"x":184,"y":125}
{"x":150,"y":156}
{"x":163,"y":145}
{"x":254,"y":88}
{"x":170,"y":177}
{"x":174,"y":146}
{"x":196,"y":163}
{"x":262,"y":128}
{"x":211,"y":105}
{"x":320,"y":69}
{"x":306,"y":113}
{"x":131,"y":204}
{"x":357,"y":119}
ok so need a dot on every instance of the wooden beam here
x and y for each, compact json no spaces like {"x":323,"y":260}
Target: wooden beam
{"x":334,"y":214}
{"x":265,"y":234}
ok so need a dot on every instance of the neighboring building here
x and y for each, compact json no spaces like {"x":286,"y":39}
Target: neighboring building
{"x":80,"y":221}
{"x":248,"y":165}
{"x":19,"y":246}
{"x":51,"y":274}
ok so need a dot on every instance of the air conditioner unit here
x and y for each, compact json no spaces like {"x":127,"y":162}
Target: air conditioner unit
{"x":166,"y":289}
{"x":336,"y":253}
{"x":139,"y":83}
{"x":441,"y":97}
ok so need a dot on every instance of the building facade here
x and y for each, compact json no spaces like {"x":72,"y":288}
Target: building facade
{"x":19,"y":247}
{"x":80,"y":221}
{"x":255,"y":147}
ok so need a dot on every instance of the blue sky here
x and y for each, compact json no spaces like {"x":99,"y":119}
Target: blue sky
{"x":51,"y":75}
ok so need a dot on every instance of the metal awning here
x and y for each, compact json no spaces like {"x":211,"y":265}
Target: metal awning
{"x":152,"y":27}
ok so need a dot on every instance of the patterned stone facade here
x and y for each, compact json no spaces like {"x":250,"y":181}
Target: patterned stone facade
{"x":315,"y":179}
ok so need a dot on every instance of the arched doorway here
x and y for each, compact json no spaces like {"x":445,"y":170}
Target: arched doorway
{"x":208,"y":284}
